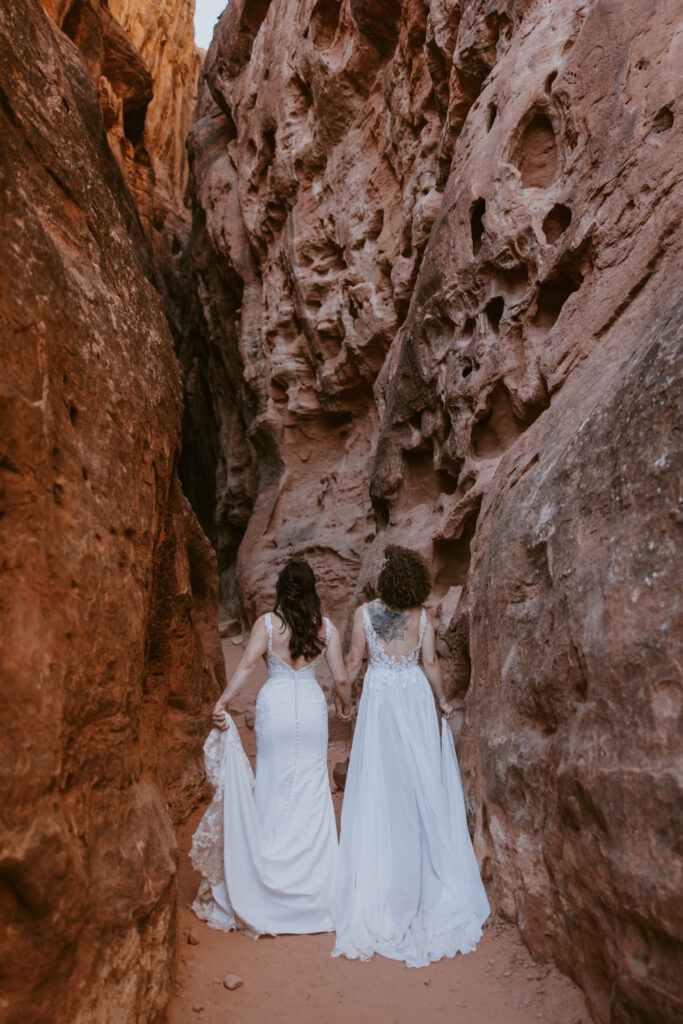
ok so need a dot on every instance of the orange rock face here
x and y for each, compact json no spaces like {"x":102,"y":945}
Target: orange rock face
{"x":435,"y":248}
{"x":110,"y":652}
{"x":142,"y":58}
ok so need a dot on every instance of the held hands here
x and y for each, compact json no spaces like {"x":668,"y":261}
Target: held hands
{"x":447,"y":709}
{"x":342,"y":709}
{"x":220,"y":718}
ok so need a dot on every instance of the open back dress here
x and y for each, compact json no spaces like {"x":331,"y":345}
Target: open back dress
{"x":408,"y":884}
{"x":267,"y":845}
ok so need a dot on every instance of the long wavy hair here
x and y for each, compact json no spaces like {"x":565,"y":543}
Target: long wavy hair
{"x":298,"y":605}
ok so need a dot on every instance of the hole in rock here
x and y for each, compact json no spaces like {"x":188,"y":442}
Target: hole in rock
{"x":552,"y":296}
{"x":253,"y":16}
{"x":336,"y":419}
{"x":499,"y":427}
{"x":175,"y":246}
{"x":279,"y":392}
{"x":382,"y":510}
{"x":303,"y":94}
{"x":467,"y":369}
{"x":268,"y":148}
{"x":491,"y":117}
{"x":494,"y":311}
{"x":477,"y":224}
{"x":549,"y":80}
{"x":468,"y":329}
{"x":376,"y":224}
{"x":324,"y":22}
{"x":452,"y":559}
{"x":663,"y":121}
{"x":134,"y":124}
{"x":73,"y":414}
{"x":421,"y":481}
{"x":556,"y":222}
{"x":536,"y":156}
{"x":513,"y":282}
{"x":378,"y":21}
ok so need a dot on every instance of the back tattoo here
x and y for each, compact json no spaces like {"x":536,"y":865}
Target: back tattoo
{"x":388,"y":623}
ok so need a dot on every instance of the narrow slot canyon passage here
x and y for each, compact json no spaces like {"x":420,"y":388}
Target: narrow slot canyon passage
{"x":357,"y":275}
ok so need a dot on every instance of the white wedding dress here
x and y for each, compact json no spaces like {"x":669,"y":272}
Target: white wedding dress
{"x":267,"y":845}
{"x":408,"y":885}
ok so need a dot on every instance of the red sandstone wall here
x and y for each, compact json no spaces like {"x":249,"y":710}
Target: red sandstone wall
{"x":110,"y":652}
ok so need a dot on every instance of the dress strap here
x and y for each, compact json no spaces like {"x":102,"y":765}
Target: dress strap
{"x":269,"y":631}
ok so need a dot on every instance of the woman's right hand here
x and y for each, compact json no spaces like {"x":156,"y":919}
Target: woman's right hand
{"x":220,"y":718}
{"x":447,"y":709}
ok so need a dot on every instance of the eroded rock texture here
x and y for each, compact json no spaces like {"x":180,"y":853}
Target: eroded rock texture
{"x":107,"y":592}
{"x":143,"y":61}
{"x":435,"y":250}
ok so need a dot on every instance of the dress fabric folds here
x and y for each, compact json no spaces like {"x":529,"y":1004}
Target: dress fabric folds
{"x":408,"y":886}
{"x":267,"y":845}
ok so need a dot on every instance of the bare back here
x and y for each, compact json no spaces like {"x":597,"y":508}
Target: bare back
{"x":281,"y":634}
{"x":397,"y":630}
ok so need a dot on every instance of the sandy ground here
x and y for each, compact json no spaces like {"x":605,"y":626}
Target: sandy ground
{"x":292,"y":979}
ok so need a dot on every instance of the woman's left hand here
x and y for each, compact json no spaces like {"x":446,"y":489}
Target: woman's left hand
{"x":447,"y":709}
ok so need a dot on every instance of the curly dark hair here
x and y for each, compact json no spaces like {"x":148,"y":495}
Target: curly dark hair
{"x":298,"y":605}
{"x":404,"y":580}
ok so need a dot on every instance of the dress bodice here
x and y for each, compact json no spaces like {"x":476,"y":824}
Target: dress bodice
{"x":278,"y":668}
{"x":379,"y":657}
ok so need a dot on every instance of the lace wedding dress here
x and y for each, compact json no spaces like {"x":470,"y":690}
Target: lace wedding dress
{"x":408,"y":885}
{"x":267,"y":845}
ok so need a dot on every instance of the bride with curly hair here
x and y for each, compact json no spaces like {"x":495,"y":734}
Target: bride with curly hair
{"x":408,"y":885}
{"x":267,"y":845}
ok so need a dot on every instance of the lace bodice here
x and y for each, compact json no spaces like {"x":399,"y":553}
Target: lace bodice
{"x":280,"y":669}
{"x":379,"y":656}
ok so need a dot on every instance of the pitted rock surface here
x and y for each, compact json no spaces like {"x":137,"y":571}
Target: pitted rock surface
{"x":434,"y":248}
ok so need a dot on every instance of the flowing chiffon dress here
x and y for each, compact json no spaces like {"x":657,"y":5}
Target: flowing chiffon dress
{"x":267,"y":845}
{"x":408,"y":884}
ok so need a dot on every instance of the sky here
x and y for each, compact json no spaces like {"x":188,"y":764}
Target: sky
{"x":205,"y":17}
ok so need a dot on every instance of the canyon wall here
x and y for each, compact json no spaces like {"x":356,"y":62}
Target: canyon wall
{"x":143,"y":61}
{"x":434,"y":248}
{"x":110,"y":652}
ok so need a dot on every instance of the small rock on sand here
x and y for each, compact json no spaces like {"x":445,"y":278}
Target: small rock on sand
{"x":232,"y":981}
{"x":192,"y":939}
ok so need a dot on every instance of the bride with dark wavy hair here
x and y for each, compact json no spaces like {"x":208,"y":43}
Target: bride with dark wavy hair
{"x":267,"y":845}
